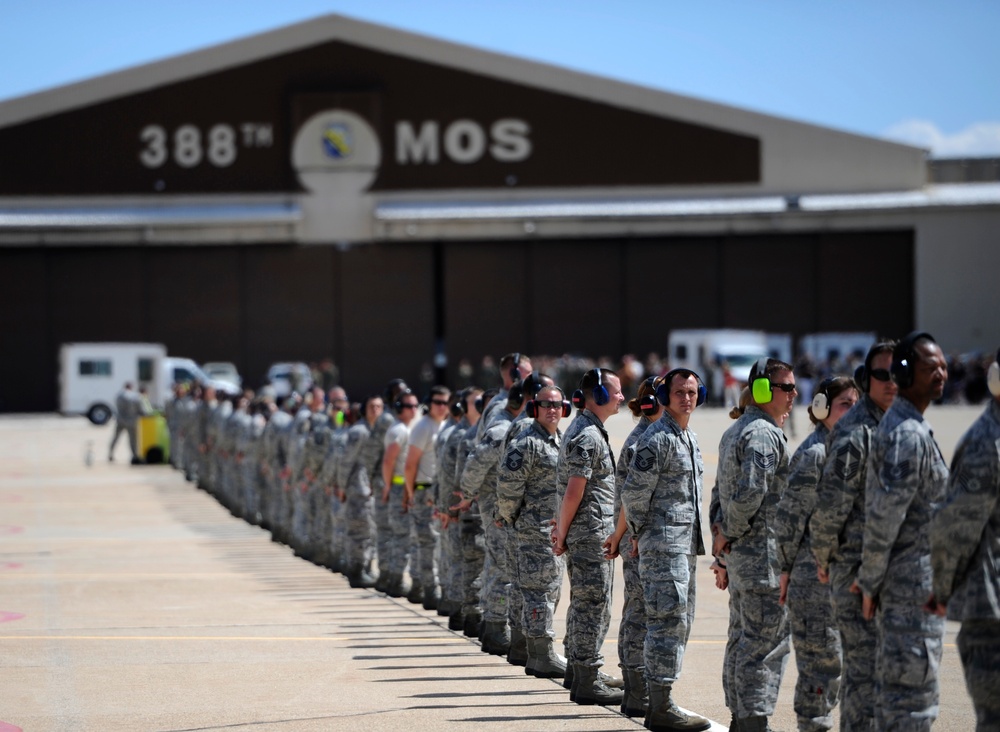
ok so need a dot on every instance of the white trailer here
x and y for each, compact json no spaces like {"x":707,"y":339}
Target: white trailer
{"x":829,"y":348}
{"x":707,"y":351}
{"x":92,"y":374}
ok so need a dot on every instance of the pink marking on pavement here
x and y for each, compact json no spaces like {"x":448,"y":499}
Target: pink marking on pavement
{"x":10,"y":565}
{"x":10,"y":499}
{"x":8,"y":727}
{"x":6,"y":616}
{"x":11,"y":530}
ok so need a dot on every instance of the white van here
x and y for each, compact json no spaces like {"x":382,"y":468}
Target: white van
{"x":92,"y":374}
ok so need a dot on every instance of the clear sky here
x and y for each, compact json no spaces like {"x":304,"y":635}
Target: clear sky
{"x":918,"y":71}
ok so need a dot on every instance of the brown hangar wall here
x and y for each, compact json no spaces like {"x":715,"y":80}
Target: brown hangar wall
{"x":373,"y":308}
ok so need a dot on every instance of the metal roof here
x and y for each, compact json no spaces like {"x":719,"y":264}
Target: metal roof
{"x":132,"y":217}
{"x":929,"y":197}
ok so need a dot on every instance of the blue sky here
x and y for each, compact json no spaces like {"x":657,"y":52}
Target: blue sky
{"x":921,"y":71}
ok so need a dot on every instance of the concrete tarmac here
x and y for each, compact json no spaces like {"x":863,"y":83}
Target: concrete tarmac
{"x":130,"y":600}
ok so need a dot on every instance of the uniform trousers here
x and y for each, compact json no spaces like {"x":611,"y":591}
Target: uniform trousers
{"x":757,"y":650}
{"x":669,"y":592}
{"x":907,"y":663}
{"x":979,"y":649}
{"x":817,"y":644}
{"x":424,"y":569}
{"x":632,"y":631}
{"x":539,"y":574}
{"x":589,"y":614}
{"x":859,"y":641}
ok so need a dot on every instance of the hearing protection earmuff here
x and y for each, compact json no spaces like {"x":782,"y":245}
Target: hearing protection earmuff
{"x":457,"y":408}
{"x":760,"y":385}
{"x":821,"y":403}
{"x":397,"y":406}
{"x":532,"y":409}
{"x":993,"y":376}
{"x":904,"y":359}
{"x":600,"y":392}
{"x":515,"y":375}
{"x":647,"y":403}
{"x":579,"y":401}
{"x":663,"y":390}
{"x":527,"y":388}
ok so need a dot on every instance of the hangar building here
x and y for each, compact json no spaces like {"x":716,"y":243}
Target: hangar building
{"x":342,"y":189}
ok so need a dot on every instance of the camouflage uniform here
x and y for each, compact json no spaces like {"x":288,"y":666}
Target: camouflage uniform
{"x":586,"y":452}
{"x":444,"y":490}
{"x":479,"y":479}
{"x":836,"y":531}
{"x":810,"y":603}
{"x":907,"y":480}
{"x":424,"y":569}
{"x":526,"y":502}
{"x":662,"y":498}
{"x":355,"y":480}
{"x":752,"y":474}
{"x":965,"y":554}
{"x":470,"y":533}
{"x":400,"y":524}
{"x":275,"y":436}
{"x":191,"y":428}
{"x":383,"y":533}
{"x":632,"y":631}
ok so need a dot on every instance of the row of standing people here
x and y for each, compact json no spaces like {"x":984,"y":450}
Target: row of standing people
{"x":509,"y":501}
{"x":855,"y":548}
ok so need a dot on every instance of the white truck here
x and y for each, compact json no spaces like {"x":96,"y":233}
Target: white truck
{"x":92,"y":374}
{"x":707,"y":351}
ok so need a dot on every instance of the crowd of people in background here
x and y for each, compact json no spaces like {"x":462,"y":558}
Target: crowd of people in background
{"x":474,"y":503}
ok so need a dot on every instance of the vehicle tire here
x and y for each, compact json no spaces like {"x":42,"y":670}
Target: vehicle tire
{"x":100,"y":414}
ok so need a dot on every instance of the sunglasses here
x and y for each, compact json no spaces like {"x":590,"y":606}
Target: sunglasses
{"x":405,"y":405}
{"x":787,"y":388}
{"x":548,"y":404}
{"x":880,"y":374}
{"x":441,"y":402}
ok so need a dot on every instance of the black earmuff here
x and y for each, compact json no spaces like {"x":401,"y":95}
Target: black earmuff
{"x":397,"y":406}
{"x":579,"y":401}
{"x":457,"y":407}
{"x":523,"y":389}
{"x":904,"y":358}
{"x":760,"y":385}
{"x":600,"y":392}
{"x":821,"y":403}
{"x":663,"y":390}
{"x":648,"y":403}
{"x":515,"y":375}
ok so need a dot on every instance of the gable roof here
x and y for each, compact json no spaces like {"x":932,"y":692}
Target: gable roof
{"x":795,"y":156}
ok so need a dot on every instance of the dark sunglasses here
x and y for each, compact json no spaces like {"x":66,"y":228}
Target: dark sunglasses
{"x":880,"y":374}
{"x":787,"y":388}
{"x":442,"y":402}
{"x":405,"y":405}
{"x":548,"y":404}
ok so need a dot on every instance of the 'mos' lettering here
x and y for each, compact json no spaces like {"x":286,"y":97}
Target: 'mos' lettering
{"x":463,"y":141}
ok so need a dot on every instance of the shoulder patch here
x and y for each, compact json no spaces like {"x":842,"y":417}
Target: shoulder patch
{"x":764,"y":461}
{"x":583,"y":453}
{"x":898,"y":471}
{"x":968,"y":482}
{"x":645,"y":459}
{"x":514,"y":460}
{"x":847,"y":462}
